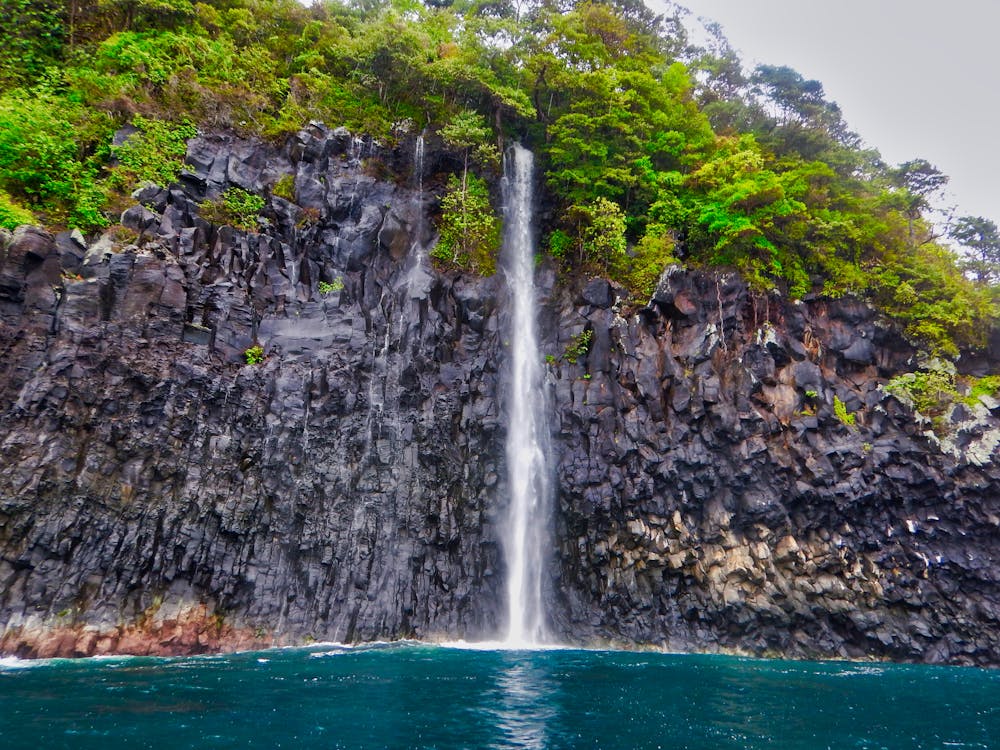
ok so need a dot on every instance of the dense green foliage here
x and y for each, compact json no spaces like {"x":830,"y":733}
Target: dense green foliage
{"x":653,"y":151}
{"x":11,"y":214}
{"x":235,"y":207}
{"x":154,"y":153}
{"x":470,"y":230}
{"x":932,"y":391}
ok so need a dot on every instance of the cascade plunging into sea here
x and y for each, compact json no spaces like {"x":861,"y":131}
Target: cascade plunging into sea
{"x":526,"y":529}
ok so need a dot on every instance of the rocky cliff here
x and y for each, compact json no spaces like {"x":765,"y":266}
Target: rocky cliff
{"x":160,"y":495}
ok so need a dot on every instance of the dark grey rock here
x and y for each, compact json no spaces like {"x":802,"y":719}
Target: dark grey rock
{"x":860,"y":351}
{"x":807,"y":376}
{"x":140,"y":219}
{"x":597,"y":293}
{"x":351,"y":485}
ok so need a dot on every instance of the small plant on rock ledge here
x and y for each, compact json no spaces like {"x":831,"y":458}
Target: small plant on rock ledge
{"x":929,"y":391}
{"x":329,"y":287}
{"x":308,"y":217}
{"x":578,"y":346}
{"x":254,"y":355}
{"x":285,"y":187}
{"x":235,"y":207}
{"x":840,"y":411}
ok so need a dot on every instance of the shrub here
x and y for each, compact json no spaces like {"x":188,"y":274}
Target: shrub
{"x":560,"y":244}
{"x":840,"y":411}
{"x":929,"y":392}
{"x":43,"y":139}
{"x":470,"y":231}
{"x":235,"y":207}
{"x":154,"y":153}
{"x":641,"y":270}
{"x":332,"y":286}
{"x":987,"y":386}
{"x":578,"y":346}
{"x":254,"y":355}
{"x":11,"y":214}
{"x":602,"y":233}
{"x":33,"y":33}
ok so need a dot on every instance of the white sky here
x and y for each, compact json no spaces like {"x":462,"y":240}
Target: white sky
{"x":915,"y":78}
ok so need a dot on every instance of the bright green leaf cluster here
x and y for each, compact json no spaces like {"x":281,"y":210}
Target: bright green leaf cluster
{"x":841,"y":413}
{"x":470,"y":230}
{"x":154,"y":153}
{"x":254,"y":355}
{"x":235,"y":207}
{"x":579,"y":346}
{"x":11,"y":214}
{"x":330,"y":287}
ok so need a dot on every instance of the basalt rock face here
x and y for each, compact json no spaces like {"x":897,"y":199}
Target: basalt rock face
{"x":341,"y":489}
{"x":711,"y":497}
{"x":160,"y":495}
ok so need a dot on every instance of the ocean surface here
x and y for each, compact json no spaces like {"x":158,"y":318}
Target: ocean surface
{"x":421,"y":696}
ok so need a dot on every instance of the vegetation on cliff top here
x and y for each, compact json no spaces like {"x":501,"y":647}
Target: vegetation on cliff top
{"x":653,"y":150}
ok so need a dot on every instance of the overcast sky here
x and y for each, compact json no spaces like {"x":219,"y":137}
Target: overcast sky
{"x":915,"y":78}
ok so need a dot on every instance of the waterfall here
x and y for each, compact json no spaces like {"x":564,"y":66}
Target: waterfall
{"x":383,"y":391}
{"x":418,"y":162}
{"x":416,"y":277}
{"x":527,"y":444}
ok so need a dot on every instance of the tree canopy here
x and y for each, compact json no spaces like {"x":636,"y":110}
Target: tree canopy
{"x":653,"y":150}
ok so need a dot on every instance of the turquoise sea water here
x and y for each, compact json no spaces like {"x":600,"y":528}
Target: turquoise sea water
{"x":418,"y":696}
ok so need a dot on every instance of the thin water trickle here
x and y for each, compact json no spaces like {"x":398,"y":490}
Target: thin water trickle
{"x":380,"y":386}
{"x":527,"y":444}
{"x":416,"y":277}
{"x":418,"y":162}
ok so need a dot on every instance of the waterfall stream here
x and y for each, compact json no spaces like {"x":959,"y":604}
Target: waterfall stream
{"x":527,"y":521}
{"x":416,"y":278}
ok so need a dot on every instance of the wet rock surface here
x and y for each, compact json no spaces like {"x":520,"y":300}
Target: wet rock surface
{"x":710,"y":497}
{"x":342,"y":489}
{"x":159,"y":495}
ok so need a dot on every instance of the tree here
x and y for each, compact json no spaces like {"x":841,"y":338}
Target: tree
{"x":33,"y":34}
{"x":603,"y":233}
{"x":470,"y":231}
{"x":981,"y":239}
{"x":469,"y":132}
{"x":135,"y":14}
{"x":805,"y":122}
{"x":921,"y":180}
